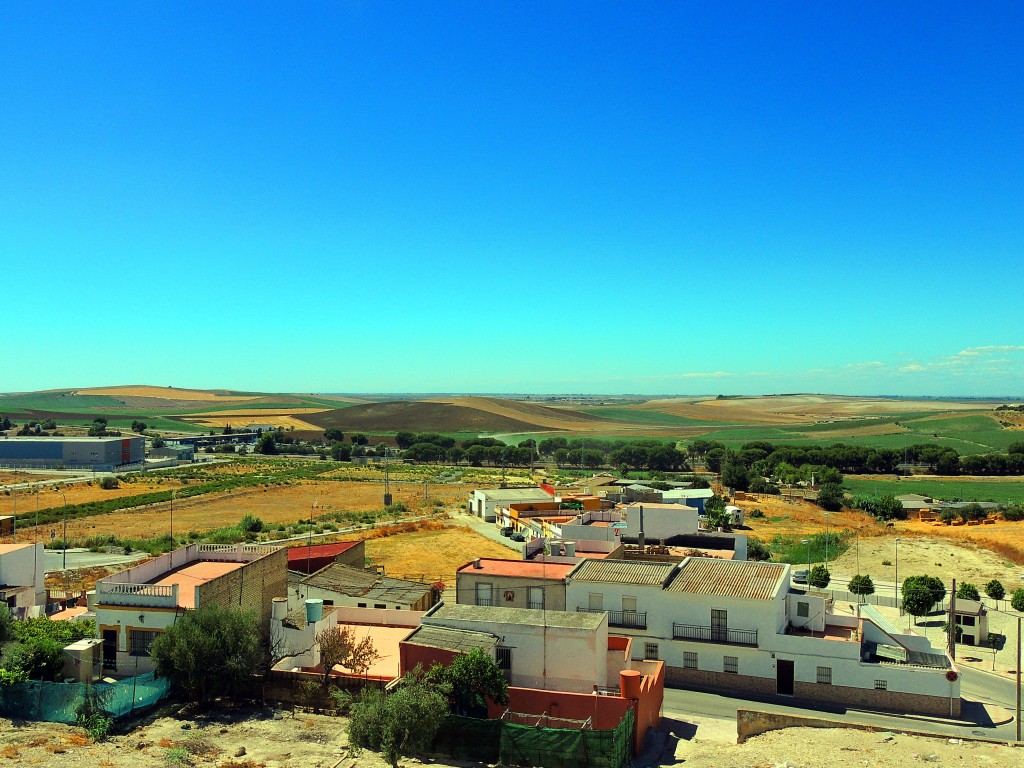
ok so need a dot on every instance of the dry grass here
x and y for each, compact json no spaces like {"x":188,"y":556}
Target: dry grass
{"x":11,"y":752}
{"x":166,"y":393}
{"x":77,"y":740}
{"x":433,"y":554}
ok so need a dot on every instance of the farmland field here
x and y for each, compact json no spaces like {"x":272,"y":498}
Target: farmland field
{"x":1000,"y":490}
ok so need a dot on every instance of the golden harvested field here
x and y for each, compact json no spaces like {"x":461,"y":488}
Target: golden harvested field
{"x":166,"y":393}
{"x":237,"y":419}
{"x":273,"y":504}
{"x":432,"y":555}
{"x":9,"y":477}
{"x":794,"y":409}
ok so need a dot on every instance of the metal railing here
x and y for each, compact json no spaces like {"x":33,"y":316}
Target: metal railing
{"x":535,"y":605}
{"x":703,"y":634}
{"x":624,"y":619}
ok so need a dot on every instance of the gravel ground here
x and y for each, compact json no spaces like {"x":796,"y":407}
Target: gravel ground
{"x":268,"y":739}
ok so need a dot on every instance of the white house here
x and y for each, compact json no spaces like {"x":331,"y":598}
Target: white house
{"x":22,"y":584}
{"x":722,"y":624}
{"x":482,"y":502}
{"x":554,"y":650}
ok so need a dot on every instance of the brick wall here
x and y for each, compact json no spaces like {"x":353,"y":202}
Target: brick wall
{"x":679,"y":677}
{"x":867,"y":698}
{"x":251,"y":587}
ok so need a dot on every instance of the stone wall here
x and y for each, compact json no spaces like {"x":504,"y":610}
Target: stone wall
{"x":860,"y":698}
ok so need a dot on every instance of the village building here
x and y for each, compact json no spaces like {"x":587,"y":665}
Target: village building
{"x":343,"y":585}
{"x":134,"y":606}
{"x":22,"y":585}
{"x":737,"y":626}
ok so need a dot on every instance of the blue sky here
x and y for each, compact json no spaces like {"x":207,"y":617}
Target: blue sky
{"x":514,"y":197}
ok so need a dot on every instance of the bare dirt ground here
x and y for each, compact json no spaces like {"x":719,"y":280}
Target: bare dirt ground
{"x":258,"y":739}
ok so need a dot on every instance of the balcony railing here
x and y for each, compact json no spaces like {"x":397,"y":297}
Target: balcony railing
{"x":714,"y":634}
{"x":624,"y":619}
{"x":535,"y":605}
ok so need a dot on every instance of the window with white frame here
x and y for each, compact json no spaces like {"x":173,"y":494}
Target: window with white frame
{"x":731,"y":664}
{"x":825,"y":675}
{"x":595,"y":601}
{"x":628,"y":604}
{"x":535,"y":598}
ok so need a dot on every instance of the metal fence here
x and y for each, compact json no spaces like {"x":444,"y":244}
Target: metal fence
{"x":60,"y":702}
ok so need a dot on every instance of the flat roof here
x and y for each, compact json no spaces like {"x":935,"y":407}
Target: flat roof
{"x":525,"y":616}
{"x":525,"y":568}
{"x":511,"y":494}
{"x":729,"y":578}
{"x":80,"y":439}
{"x":385,"y":641}
{"x":194,"y":574}
{"x":624,"y":572}
{"x":448,"y":639}
{"x":354,"y":582}
{"x":5,"y":548}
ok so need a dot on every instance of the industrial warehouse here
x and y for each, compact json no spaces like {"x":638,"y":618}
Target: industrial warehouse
{"x":102,"y":454}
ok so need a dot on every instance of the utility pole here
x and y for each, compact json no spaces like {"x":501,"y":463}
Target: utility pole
{"x":952,"y":622}
{"x":1018,"y":678}
{"x":387,"y":480}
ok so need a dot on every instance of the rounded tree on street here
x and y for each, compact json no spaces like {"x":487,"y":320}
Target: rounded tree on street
{"x":861,"y":585}
{"x":995,"y":590}
{"x":967,"y":591}
{"x":819,"y":577}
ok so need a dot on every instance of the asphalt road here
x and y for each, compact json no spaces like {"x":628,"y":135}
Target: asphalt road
{"x":976,"y":722}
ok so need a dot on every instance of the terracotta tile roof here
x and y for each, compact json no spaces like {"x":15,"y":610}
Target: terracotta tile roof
{"x":729,"y":578}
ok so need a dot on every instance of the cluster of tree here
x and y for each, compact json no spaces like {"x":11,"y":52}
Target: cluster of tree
{"x":762,"y":458}
{"x":31,"y":428}
{"x":967,"y":512}
{"x":6,"y":423}
{"x":406,"y":720}
{"x":34,"y":649}
{"x":886,"y":507}
{"x":98,"y":428}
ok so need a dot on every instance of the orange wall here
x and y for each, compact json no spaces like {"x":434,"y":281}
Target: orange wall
{"x":410,"y":654}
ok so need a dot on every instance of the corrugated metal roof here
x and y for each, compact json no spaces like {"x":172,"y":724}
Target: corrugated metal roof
{"x":513,"y":616}
{"x":623,"y":572}
{"x":353,"y":582}
{"x":729,"y":578}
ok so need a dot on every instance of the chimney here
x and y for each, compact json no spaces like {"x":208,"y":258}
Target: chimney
{"x":476,"y":562}
{"x":641,"y":541}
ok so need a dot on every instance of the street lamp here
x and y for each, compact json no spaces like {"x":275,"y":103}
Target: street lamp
{"x":808,"y":543}
{"x":64,"y":543}
{"x":826,"y":541}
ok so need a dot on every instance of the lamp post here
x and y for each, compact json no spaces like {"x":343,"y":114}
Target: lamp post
{"x":826,"y":542}
{"x":896,"y":587}
{"x":808,"y":543}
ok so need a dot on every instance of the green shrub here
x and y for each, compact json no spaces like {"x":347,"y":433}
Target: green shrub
{"x":108,"y":483}
{"x":1017,"y":601}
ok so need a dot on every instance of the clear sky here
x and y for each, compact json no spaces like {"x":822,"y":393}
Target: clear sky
{"x":670,"y":197}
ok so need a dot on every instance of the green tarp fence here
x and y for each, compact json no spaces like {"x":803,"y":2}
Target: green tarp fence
{"x":58,"y":702}
{"x":491,"y":741}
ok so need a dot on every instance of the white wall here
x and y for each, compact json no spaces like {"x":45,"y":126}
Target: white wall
{"x":546,"y":657}
{"x":23,"y":567}
{"x":661,"y":521}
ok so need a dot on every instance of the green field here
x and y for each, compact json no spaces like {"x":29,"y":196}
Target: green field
{"x":643,"y":416}
{"x":1000,"y":491}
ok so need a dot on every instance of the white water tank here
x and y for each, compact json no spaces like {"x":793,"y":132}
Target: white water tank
{"x":570,"y":548}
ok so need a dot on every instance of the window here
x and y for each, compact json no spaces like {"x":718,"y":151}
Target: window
{"x":628,"y":604}
{"x":503,"y":656}
{"x":360,"y":605}
{"x":484,"y":594}
{"x":731,"y":664}
{"x":689,"y":660}
{"x":379,"y":605}
{"x":825,"y":675}
{"x":140,"y":640}
{"x":967,"y":621}
{"x":803,"y":608}
{"x":328,"y":602}
{"x":595,"y":602}
{"x":535,"y":598}
{"x":881,"y":685}
{"x":651,"y":651}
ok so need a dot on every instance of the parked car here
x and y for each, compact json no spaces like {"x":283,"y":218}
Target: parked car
{"x":506,"y":531}
{"x":517,"y":536}
{"x":800,"y":577}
